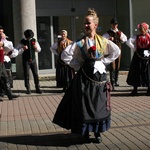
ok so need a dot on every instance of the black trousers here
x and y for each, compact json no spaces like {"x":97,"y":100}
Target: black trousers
{"x":8,"y":67}
{"x":3,"y":71}
{"x":6,"y":82}
{"x":3,"y":74}
{"x":26,"y":68}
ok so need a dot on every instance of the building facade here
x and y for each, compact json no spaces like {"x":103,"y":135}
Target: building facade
{"x":48,"y":17}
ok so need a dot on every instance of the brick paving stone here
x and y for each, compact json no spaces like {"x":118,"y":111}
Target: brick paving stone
{"x":21,"y":147}
{"x":11,"y":128}
{"x":18,"y":127}
{"x":134,"y":143}
{"x":12,"y":146}
{"x":50,"y":126}
{"x":120,"y":139}
{"x":72,"y":148}
{"x":34,"y":126}
{"x":101,"y":146}
{"x":28,"y":120}
{"x":3,"y":146}
{"x":26,"y":127}
{"x":139,"y":138}
{"x":81,"y":147}
{"x":114,"y":139}
{"x":51,"y":148}
{"x":3,"y":128}
{"x":31,"y":147}
{"x":91,"y":146}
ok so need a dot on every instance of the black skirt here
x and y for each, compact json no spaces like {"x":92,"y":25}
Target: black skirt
{"x":64,"y":74}
{"x":85,"y":102}
{"x":139,"y":72}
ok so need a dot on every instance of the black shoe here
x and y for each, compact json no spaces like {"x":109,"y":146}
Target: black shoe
{"x":148,"y":93}
{"x":1,"y":95}
{"x":12,"y":96}
{"x":116,"y":83}
{"x":98,"y":138}
{"x":64,"y":89}
{"x":133,"y":93}
{"x":86,"y":139}
{"x":113,"y":88}
{"x":38,"y":91}
{"x":28,"y":92}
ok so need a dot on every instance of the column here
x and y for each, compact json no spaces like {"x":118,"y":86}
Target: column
{"x":24,"y":14}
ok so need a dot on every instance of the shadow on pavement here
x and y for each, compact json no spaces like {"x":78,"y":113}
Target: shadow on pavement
{"x":126,"y":94}
{"x":64,"y":140}
{"x":33,"y":91}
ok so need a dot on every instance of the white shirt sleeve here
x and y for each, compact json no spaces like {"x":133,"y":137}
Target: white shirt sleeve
{"x":7,"y":58}
{"x":19,"y":48}
{"x":8,"y":46}
{"x":38,"y":49}
{"x":72,"y":56}
{"x":14,"y":53}
{"x":54,"y":48}
{"x":112,"y":52}
{"x":123,"y":37}
{"x":131,"y":42}
{"x":106,"y":35}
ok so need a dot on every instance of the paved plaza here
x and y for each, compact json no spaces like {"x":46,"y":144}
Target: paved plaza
{"x":26,"y":122}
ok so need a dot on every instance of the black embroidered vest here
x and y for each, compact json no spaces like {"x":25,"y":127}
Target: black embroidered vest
{"x":116,"y":36}
{"x":29,"y":54}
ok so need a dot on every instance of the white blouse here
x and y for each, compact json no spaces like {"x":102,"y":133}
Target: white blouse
{"x":131,"y":42}
{"x":54,"y":48}
{"x":123,"y":37}
{"x":8,"y":46}
{"x":72,"y":56}
{"x":21,"y":50}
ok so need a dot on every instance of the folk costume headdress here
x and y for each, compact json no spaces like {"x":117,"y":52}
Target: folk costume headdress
{"x":62,"y":44}
{"x":144,"y":25}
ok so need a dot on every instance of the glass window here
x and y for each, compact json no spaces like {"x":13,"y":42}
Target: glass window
{"x":43,"y":34}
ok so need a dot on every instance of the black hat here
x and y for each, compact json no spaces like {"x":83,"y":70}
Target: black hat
{"x":114,"y":21}
{"x":28,"y":33}
{"x":1,"y":27}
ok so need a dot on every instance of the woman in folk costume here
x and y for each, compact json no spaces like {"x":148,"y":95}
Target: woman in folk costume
{"x":85,"y":106}
{"x":64,"y":73}
{"x":139,"y":72}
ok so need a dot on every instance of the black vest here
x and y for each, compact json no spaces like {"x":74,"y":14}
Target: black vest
{"x":116,"y":36}
{"x":28,"y":54}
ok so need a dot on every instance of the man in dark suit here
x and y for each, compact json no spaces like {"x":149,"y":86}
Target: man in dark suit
{"x":28,"y":46}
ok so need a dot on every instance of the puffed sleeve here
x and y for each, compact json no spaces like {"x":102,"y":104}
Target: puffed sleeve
{"x":54,"y":48}
{"x":8,"y":46}
{"x":106,"y":35}
{"x":14,"y":53}
{"x":71,"y":55}
{"x":112,"y":53}
{"x":123,"y":37}
{"x":38,"y":47}
{"x":20,"y":48}
{"x":131,"y":43}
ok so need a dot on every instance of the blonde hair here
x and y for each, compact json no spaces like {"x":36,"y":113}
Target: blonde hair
{"x":92,"y":12}
{"x":64,"y":32}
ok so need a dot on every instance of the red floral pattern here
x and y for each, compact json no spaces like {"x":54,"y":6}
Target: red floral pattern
{"x":93,"y":48}
{"x":33,"y":43}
